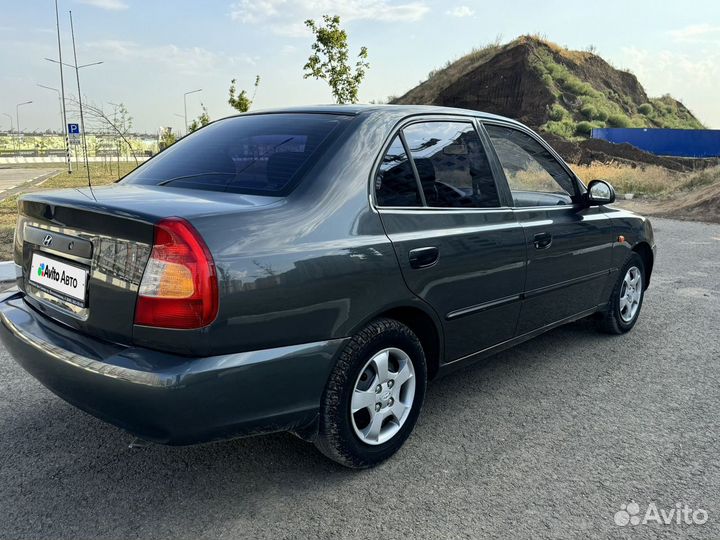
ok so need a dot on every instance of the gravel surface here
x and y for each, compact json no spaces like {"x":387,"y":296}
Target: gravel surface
{"x":546,"y":440}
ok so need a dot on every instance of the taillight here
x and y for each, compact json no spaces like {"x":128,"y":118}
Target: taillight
{"x":179,"y":286}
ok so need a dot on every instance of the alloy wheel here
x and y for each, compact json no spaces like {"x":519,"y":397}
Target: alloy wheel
{"x":383,"y":396}
{"x":630,"y":294}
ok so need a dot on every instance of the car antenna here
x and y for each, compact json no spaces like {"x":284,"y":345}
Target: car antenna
{"x":82,"y":119}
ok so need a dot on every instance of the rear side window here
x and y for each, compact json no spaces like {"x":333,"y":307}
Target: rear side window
{"x":255,"y":154}
{"x":452,"y":164}
{"x":395,"y":183}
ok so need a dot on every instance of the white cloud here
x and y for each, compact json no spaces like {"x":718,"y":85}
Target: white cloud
{"x":111,"y":5}
{"x":693,"y":79}
{"x":185,"y":60}
{"x":461,"y":11}
{"x":696,"y":33}
{"x":282,"y":16}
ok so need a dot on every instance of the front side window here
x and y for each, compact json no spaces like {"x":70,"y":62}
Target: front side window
{"x":256,"y":154}
{"x":452,"y":165}
{"x":535,"y":177}
{"x":395,"y":183}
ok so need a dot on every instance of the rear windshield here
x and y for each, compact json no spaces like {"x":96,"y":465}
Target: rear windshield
{"x":256,"y":154}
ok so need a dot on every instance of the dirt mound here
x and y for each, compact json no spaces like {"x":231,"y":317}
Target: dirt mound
{"x":561,"y":92}
{"x":700,"y":205}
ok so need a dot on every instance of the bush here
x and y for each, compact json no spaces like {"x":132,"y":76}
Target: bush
{"x":645,"y":109}
{"x":557,"y":112}
{"x":564,"y":129}
{"x":589,"y":112}
{"x":618,"y":121}
{"x":583,"y":128}
{"x":602,"y":115}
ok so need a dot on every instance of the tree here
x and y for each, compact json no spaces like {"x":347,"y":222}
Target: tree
{"x":329,"y":60}
{"x":120,"y":124}
{"x":167,"y":138}
{"x":200,"y":121}
{"x":242,"y":102}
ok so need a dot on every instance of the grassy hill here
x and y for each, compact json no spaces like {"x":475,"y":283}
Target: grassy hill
{"x":548,"y":87}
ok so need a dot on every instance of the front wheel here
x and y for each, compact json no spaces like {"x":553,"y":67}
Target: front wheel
{"x":626,"y":299}
{"x":374,"y":395}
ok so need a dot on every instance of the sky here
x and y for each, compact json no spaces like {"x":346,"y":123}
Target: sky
{"x":154,"y":51}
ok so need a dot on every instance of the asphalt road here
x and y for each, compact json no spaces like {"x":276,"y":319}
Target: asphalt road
{"x":12,"y":179}
{"x":547,"y":440}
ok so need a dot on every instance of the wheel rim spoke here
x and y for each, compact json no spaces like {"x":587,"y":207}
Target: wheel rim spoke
{"x":403,"y":375}
{"x":372,"y":432}
{"x":380,"y":362}
{"x":363,"y":399}
{"x":398,"y":410}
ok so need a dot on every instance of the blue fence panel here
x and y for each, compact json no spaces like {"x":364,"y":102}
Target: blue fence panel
{"x":665,"y":142}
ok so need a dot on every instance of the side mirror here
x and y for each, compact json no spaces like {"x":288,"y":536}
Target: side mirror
{"x":600,"y":192}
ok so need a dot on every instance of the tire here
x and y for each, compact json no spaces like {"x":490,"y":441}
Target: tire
{"x":621,"y":315}
{"x":348,"y":437}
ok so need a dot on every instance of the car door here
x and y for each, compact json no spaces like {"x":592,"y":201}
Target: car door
{"x":568,"y":243}
{"x":459,"y":245}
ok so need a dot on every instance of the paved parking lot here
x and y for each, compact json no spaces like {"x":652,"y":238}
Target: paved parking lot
{"x":547,"y":440}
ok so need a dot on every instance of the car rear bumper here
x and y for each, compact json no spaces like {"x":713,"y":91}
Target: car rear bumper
{"x":167,"y":398}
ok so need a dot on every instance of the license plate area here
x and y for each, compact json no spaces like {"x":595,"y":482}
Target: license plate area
{"x":59,"y":278}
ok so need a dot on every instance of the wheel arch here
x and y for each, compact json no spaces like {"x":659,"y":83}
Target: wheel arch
{"x":424,"y":325}
{"x":645,"y":251}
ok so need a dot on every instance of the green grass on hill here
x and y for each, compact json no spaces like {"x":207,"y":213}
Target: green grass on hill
{"x":596,"y":109}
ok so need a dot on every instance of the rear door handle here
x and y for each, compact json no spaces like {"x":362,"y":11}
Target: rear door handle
{"x":423,"y":257}
{"x":542,"y":240}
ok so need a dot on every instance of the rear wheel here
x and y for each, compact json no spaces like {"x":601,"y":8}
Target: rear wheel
{"x":626,"y":299}
{"x":374,"y":395}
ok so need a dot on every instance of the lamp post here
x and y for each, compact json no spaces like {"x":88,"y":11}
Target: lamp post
{"x":185,"y":95}
{"x":179,"y":116}
{"x":59,"y":102}
{"x":12,"y":128}
{"x":76,"y":68}
{"x":17,"y":120}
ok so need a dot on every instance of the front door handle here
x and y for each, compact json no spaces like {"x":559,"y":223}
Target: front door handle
{"x":542,"y":240}
{"x":423,"y":257}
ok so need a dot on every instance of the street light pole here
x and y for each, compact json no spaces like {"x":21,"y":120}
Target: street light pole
{"x":61,"y":64}
{"x":12,"y":128}
{"x":17,"y":120}
{"x":82,"y":118}
{"x":62,"y":90}
{"x":59,"y":102}
{"x":185,"y":95}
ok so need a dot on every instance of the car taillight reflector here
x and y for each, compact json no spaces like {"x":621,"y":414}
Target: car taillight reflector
{"x":179,"y":285}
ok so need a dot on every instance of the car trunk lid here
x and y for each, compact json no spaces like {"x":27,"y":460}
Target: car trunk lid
{"x":83,"y":253}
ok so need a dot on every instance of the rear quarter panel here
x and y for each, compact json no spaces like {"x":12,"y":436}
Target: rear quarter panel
{"x":317,"y":265}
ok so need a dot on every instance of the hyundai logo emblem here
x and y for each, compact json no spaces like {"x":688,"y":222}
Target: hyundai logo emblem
{"x":47,"y":240}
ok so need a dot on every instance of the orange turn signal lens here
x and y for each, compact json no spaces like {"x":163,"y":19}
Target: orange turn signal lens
{"x":164,"y":279}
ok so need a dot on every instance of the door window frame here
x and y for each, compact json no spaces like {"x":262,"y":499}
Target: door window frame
{"x":580,"y":188}
{"x":504,"y":195}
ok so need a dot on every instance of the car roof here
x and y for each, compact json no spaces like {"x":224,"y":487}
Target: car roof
{"x":396,"y":111}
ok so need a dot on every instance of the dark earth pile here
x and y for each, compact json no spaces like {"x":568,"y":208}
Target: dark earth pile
{"x":562,"y":93}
